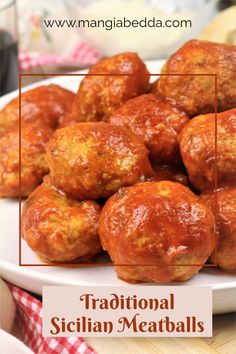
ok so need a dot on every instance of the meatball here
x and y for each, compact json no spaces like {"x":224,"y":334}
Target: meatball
{"x":223,"y":205}
{"x":44,"y":104}
{"x":169,"y":173}
{"x":154,"y":87}
{"x":119,"y":78}
{"x":34,"y":138}
{"x":157,"y":231}
{"x":59,"y":228}
{"x":94,"y":159}
{"x":196,"y":94}
{"x":206,"y":158}
{"x":157,"y":122}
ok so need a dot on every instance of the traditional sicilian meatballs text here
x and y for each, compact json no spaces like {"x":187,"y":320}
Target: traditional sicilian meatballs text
{"x":208,"y":152}
{"x":224,"y":207}
{"x":119,"y":78}
{"x":196,"y":94}
{"x":44,"y":104}
{"x":94,"y":159}
{"x":59,"y":228}
{"x":157,"y":231}
{"x":156,"y":122}
{"x":32,"y":165}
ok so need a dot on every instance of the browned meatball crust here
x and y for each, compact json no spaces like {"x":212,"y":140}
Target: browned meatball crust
{"x":223,"y":205}
{"x":59,"y":228}
{"x":196,"y":94}
{"x":157,"y":231}
{"x":94,"y":159}
{"x":156,"y":122}
{"x":203,"y":156}
{"x":120,"y":77}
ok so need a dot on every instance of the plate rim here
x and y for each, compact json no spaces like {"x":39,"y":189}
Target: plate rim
{"x":29,"y":273}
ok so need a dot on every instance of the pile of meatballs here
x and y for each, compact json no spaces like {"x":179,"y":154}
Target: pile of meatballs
{"x":144,"y":171}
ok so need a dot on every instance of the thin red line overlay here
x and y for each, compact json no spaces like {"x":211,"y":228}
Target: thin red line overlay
{"x":83,"y":265}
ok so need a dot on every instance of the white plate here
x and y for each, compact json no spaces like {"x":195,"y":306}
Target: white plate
{"x":11,"y":345}
{"x":33,"y":278}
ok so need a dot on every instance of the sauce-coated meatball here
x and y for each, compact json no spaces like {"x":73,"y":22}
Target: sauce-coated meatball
{"x":34,"y":138}
{"x":59,"y":228}
{"x":94,"y":159}
{"x":169,"y":173}
{"x":42,"y":109}
{"x":44,"y":104}
{"x":195,"y":94}
{"x":208,"y":151}
{"x":156,"y":122}
{"x":157,"y":231}
{"x":223,"y":205}
{"x":121,"y":77}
